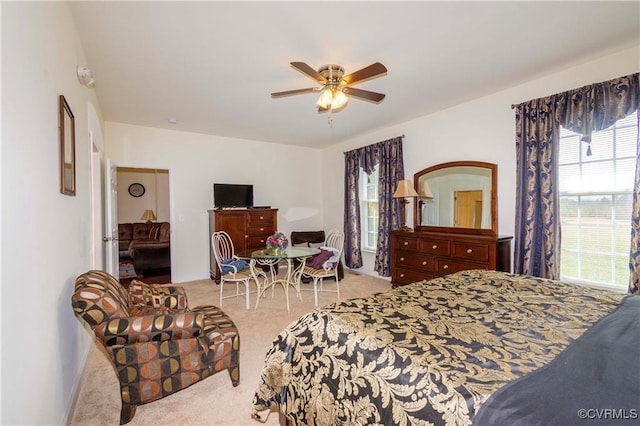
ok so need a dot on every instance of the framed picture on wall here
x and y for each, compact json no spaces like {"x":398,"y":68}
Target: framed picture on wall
{"x":67,"y":133}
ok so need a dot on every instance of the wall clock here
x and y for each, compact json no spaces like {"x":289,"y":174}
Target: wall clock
{"x":136,"y":190}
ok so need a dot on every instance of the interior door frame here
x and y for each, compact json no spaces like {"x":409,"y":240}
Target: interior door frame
{"x":170,"y":197}
{"x":112,"y":257}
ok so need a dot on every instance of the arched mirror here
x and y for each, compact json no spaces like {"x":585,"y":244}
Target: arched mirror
{"x":459,"y":196}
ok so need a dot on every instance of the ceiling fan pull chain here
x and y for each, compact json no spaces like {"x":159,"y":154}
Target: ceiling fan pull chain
{"x":329,"y":119}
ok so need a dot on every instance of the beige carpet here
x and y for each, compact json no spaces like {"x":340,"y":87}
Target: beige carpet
{"x":213,"y":401}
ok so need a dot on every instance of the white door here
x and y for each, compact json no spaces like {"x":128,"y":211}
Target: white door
{"x":111,"y":219}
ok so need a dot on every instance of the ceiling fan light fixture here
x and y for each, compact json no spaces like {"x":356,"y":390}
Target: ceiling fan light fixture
{"x":325,"y":99}
{"x":339,"y":100}
{"x":336,"y":87}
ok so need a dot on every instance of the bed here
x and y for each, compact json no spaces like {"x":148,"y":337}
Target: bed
{"x":455,"y":351}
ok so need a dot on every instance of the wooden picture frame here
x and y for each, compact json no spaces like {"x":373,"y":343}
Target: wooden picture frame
{"x":67,"y":132}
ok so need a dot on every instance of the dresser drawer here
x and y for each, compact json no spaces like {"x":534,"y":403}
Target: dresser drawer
{"x":471,"y":251}
{"x":259,"y":217}
{"x":258,"y":229}
{"x":257,"y":241}
{"x":409,"y":259}
{"x":436,"y":247}
{"x":447,"y":266}
{"x":406,"y":243}
{"x":407,"y":276}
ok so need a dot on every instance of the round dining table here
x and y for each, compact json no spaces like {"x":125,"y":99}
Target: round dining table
{"x":268,"y":259}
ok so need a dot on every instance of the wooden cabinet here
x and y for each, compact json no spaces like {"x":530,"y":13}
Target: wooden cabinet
{"x":248,"y":229}
{"x":416,"y":256}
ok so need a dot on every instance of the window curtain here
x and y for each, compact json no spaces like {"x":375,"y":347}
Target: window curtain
{"x":537,"y":237}
{"x":352,"y":253}
{"x":388,"y":155}
{"x":582,"y":110}
{"x":634,"y":252}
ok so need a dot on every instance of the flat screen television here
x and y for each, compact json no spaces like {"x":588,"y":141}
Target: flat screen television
{"x":226,"y":195}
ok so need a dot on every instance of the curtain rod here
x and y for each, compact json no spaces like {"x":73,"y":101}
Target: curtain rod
{"x":401,"y":136}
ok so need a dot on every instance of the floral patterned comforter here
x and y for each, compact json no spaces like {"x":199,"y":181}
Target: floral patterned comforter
{"x":426,"y":353}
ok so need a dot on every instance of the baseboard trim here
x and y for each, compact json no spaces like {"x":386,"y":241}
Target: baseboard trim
{"x":75,"y":392}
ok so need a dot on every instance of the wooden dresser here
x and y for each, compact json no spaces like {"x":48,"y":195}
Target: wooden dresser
{"x":248,"y":229}
{"x":416,"y":256}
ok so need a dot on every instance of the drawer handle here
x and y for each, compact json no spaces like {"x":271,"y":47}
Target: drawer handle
{"x":406,"y":243}
{"x":401,"y":275}
{"x":262,"y":229}
{"x":435,"y":246}
{"x":262,"y":241}
{"x":261,"y":217}
{"x":424,"y":262}
{"x":469,"y":251}
{"x":445,"y":267}
{"x":402,"y":259}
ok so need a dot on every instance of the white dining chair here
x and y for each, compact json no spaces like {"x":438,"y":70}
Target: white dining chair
{"x":335,"y":240}
{"x":223,"y":251}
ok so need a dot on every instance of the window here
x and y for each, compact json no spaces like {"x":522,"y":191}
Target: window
{"x":595,"y":203}
{"x":369,"y":209}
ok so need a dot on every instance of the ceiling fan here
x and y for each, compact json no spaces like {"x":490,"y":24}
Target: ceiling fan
{"x":335,"y":86}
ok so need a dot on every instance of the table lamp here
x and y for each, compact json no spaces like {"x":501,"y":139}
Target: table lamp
{"x":425,"y":194}
{"x":404,"y":190}
{"x":148,"y":216}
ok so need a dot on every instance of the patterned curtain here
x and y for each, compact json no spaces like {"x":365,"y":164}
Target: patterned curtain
{"x":537,"y":239}
{"x":352,"y":253}
{"x":389,"y":158}
{"x":583,"y":110}
{"x":597,"y":106}
{"x":634,"y":253}
{"x":390,"y":172}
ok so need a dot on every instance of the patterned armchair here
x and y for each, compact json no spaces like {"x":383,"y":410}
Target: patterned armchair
{"x":156,"y":344}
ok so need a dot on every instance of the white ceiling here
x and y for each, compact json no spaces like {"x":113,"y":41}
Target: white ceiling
{"x":212,"y":65}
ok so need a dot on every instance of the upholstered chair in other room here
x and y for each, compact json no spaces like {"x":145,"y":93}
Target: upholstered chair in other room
{"x":335,"y":244}
{"x":155,"y":342}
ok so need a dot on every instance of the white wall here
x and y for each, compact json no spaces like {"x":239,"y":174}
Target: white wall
{"x":284,"y":177}
{"x":46,"y":236}
{"x":481,"y":130}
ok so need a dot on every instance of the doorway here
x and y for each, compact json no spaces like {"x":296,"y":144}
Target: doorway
{"x":144,"y":228}
{"x":468,"y":209}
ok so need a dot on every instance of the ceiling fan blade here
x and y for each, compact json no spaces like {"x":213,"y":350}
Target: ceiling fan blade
{"x":364,"y":94}
{"x":294,"y":92}
{"x":309,"y":72}
{"x":366,"y":73}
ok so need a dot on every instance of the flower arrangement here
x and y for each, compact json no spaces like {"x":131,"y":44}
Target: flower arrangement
{"x":277,"y":241}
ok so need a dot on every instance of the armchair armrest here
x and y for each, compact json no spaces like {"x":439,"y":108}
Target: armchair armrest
{"x":146,"y":328}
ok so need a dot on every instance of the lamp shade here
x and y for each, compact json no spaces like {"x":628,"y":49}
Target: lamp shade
{"x":148,"y":215}
{"x":425,"y":191}
{"x":405,"y":189}
{"x":339,"y":100}
{"x":325,"y":98}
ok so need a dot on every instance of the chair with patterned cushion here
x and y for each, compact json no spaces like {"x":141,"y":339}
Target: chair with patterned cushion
{"x":228,"y":263}
{"x":311,"y":239}
{"x":335,"y":244}
{"x":155,"y":342}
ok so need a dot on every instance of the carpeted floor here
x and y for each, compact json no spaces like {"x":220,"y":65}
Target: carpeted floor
{"x":213,"y":401}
